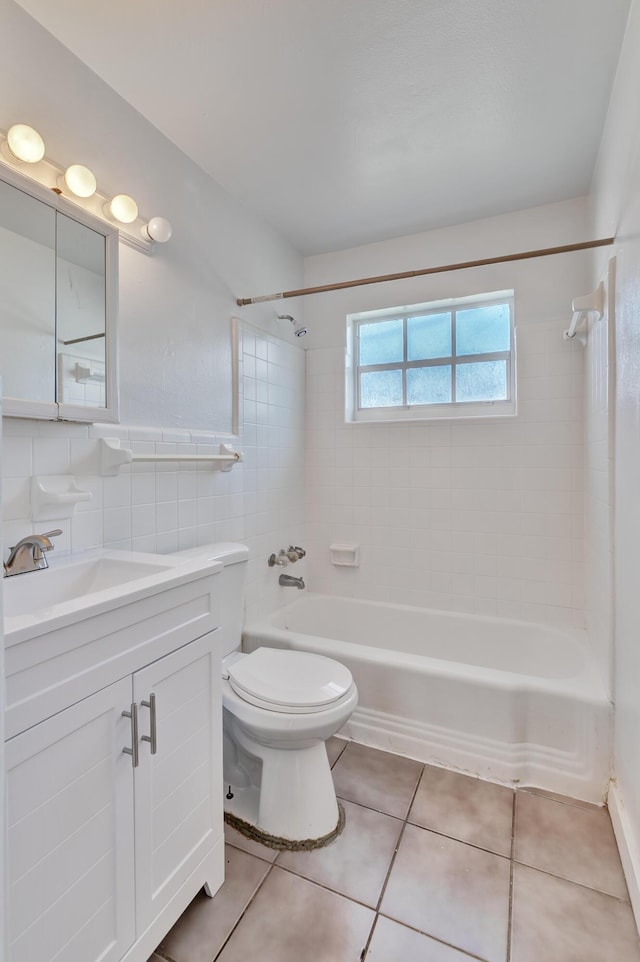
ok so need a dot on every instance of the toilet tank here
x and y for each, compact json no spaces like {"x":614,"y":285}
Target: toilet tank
{"x":229,"y":587}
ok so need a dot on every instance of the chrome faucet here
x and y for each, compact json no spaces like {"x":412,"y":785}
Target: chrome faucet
{"x":288,"y":581}
{"x":29,"y":554}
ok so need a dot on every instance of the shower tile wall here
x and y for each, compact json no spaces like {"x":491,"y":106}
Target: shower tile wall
{"x":166,"y":507}
{"x":473,"y":517}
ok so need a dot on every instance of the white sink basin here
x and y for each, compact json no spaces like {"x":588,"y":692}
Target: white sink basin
{"x":74,"y":587}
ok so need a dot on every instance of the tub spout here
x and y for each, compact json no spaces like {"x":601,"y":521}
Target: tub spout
{"x":288,"y":581}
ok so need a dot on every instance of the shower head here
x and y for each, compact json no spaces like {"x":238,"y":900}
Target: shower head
{"x":299,"y":331}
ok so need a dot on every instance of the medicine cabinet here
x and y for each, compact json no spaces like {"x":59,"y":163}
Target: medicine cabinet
{"x":58,"y":306}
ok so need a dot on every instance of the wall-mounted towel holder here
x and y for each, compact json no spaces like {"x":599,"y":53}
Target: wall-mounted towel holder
{"x":113,"y":456}
{"x":583,"y":306}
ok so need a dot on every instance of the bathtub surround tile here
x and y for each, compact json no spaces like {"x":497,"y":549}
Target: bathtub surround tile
{"x":351,"y":865}
{"x":291,"y":920}
{"x":465,"y":808}
{"x":391,"y":942}
{"x":233,"y":511}
{"x":473,"y":480}
{"x":451,"y":891}
{"x":573,"y":843}
{"x":376,"y":779}
{"x":202,"y":930}
{"x":558,"y":921}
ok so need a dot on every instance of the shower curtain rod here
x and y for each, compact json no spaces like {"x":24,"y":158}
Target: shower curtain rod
{"x":462,"y":266}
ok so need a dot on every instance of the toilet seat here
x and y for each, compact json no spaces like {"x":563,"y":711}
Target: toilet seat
{"x":292,"y":682}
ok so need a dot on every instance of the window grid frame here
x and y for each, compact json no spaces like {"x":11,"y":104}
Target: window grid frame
{"x":452,"y":361}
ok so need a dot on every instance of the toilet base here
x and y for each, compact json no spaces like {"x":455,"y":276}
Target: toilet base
{"x":285,"y":844}
{"x":285,"y":792}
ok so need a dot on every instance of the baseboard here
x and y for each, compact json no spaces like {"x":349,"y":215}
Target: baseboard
{"x":628,"y":846}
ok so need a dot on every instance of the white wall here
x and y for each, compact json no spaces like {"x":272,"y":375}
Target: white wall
{"x":175,"y":306}
{"x":174,"y":337}
{"x":480,"y":517}
{"x":616,"y":209}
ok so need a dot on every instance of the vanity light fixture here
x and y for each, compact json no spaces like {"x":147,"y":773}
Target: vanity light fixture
{"x":22,"y":144}
{"x":79,"y":180}
{"x":158,"y":229}
{"x":122,"y":208}
{"x":25,"y":143}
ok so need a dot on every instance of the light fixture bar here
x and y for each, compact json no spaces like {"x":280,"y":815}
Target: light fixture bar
{"x":51,"y":175}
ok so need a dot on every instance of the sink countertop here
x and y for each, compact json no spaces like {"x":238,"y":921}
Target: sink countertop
{"x":78,"y":586}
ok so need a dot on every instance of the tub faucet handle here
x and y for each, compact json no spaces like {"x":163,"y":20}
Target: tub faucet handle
{"x":278,"y":559}
{"x":294,"y":554}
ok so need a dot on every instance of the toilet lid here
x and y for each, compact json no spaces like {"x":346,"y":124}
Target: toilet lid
{"x":289,"y":681}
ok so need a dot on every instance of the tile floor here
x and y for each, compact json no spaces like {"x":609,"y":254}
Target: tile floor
{"x":432,"y":866}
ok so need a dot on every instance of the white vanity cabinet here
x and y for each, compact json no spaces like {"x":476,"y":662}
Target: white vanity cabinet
{"x":115,"y":802}
{"x":70,"y":849}
{"x":178,"y":790}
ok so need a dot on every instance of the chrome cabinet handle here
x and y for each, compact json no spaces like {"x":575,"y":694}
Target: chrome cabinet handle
{"x":133,"y":751}
{"x":152,"y":738}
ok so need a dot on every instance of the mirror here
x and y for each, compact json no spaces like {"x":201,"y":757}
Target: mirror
{"x":80,"y":314}
{"x":58,"y":291}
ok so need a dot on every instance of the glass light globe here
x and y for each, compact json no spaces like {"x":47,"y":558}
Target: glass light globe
{"x":80,"y":180}
{"x":123,"y":208}
{"x":158,"y":229}
{"x":25,"y":143}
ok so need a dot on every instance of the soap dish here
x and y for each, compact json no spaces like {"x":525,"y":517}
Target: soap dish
{"x":55,"y":496}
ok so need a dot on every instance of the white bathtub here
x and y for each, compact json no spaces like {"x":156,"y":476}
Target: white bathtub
{"x":506,"y":700}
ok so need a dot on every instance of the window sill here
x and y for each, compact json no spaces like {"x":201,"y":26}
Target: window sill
{"x":435,"y":413}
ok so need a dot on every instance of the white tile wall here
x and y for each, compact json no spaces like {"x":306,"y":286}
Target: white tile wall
{"x":475,"y":517}
{"x":165,"y":507}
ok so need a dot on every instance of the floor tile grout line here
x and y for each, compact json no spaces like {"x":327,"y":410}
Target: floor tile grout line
{"x":163,"y":955}
{"x":391,"y":864}
{"x":513,"y":843}
{"x":405,"y":822}
{"x":322,"y":885}
{"x":369,"y":939}
{"x":563,"y":878}
{"x":565,"y":800}
{"x":426,"y":828}
{"x":243,"y":913}
{"x":433,"y":938}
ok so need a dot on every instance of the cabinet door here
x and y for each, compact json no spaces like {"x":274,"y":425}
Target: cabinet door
{"x":178,"y":795}
{"x":70,"y":834}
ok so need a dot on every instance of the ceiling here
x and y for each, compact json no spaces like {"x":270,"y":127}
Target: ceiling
{"x":344,"y":122}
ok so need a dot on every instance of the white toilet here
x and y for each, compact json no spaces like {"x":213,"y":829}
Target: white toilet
{"x":280,"y":707}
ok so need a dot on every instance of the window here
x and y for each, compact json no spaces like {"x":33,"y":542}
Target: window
{"x":452,"y":358}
